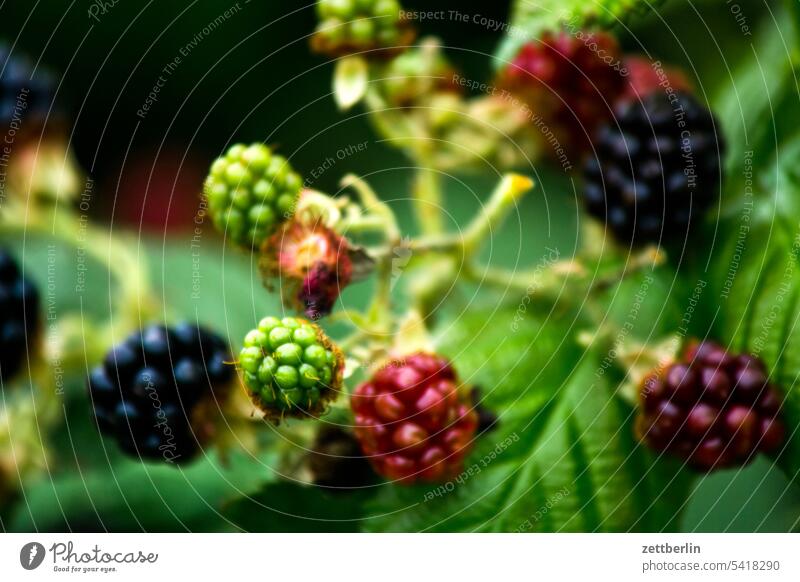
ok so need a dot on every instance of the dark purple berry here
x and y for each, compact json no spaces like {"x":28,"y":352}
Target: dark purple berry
{"x":772,"y":434}
{"x":701,"y":419}
{"x":146,"y":403}
{"x":749,"y":382}
{"x":681,"y":380}
{"x":716,"y":385}
{"x":657,"y":165}
{"x":710,"y":408}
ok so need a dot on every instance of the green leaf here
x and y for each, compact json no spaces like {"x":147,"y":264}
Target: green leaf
{"x":289,"y":507}
{"x":758,"y":287}
{"x":746,"y":99}
{"x":564,"y":456}
{"x":126,"y":495}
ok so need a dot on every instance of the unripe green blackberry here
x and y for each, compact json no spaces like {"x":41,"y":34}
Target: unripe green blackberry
{"x":417,"y":73}
{"x":351,"y":26}
{"x":290,"y":367}
{"x":251,"y":192}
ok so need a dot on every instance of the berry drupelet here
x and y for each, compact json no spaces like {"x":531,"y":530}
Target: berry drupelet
{"x":155,"y":392}
{"x":411,"y":422}
{"x":19,"y":316}
{"x":250,"y":193}
{"x":353,"y":26}
{"x":291,"y":368}
{"x":711,"y":408}
{"x":655,"y":170}
{"x":570,"y":81}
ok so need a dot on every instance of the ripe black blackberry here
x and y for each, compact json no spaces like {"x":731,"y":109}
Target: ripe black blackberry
{"x":25,"y":93}
{"x":656,"y":168}
{"x":337,"y":463}
{"x":712,"y":408}
{"x":19,"y":316}
{"x":487,"y":420}
{"x":153,"y":390}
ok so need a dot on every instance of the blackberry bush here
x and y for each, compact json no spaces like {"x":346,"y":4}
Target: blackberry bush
{"x":571,"y":86}
{"x":19,"y":316}
{"x":656,"y":168}
{"x":156,"y":391}
{"x":291,"y":368}
{"x":411,"y":422}
{"x":250,"y":193}
{"x":351,"y":26}
{"x":712,"y":409}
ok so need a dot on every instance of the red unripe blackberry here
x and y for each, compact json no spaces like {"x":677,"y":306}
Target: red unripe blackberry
{"x":711,"y":408}
{"x":655,"y":168}
{"x":312,"y":263}
{"x":411,"y":422}
{"x":646,"y":77}
{"x":570,"y":81}
{"x":153,"y":391}
{"x":19,"y":316}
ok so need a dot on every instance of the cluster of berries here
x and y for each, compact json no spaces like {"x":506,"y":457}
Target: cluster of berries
{"x":291,"y":368}
{"x":656,"y":169}
{"x":353,"y":26}
{"x":417,"y":73}
{"x":157,"y":391}
{"x":711,"y":408}
{"x":251,"y":192}
{"x":411,"y":421}
{"x":19,"y":316}
{"x":567,"y":83}
{"x":652,"y":152}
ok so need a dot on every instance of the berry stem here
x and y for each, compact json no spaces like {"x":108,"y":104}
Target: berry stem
{"x":134,"y":299}
{"x":533,"y":281}
{"x":503,"y":199}
{"x":428,"y":200}
{"x":648,"y":258}
{"x":374,"y":205}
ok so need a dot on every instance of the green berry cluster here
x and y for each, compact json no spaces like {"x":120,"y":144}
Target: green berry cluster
{"x":290,"y":367}
{"x":417,"y":73}
{"x":354,"y":25}
{"x":250,"y":192}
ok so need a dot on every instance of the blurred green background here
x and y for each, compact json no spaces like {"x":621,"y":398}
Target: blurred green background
{"x":254,"y":79}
